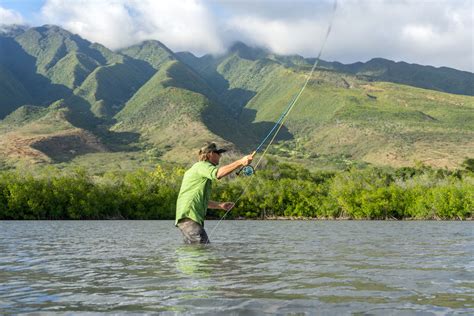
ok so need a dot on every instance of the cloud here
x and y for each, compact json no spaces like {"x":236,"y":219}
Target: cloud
{"x":10,"y":17}
{"x":426,"y":32}
{"x":107,"y":22}
{"x":181,"y":25}
{"x":435,"y":32}
{"x":278,"y":36}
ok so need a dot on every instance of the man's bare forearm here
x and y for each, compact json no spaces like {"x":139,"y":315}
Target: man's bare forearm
{"x":220,"y":205}
{"x":227,"y":169}
{"x":214,"y":205}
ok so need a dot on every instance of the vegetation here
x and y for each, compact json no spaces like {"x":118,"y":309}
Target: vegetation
{"x":55,"y":195}
{"x":278,"y":190}
{"x":152,"y":52}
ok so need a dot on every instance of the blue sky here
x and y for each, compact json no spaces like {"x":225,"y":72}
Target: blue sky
{"x":427,"y":32}
{"x":27,"y":8}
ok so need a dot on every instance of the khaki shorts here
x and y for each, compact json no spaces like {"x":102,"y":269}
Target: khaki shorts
{"x":193,"y":233}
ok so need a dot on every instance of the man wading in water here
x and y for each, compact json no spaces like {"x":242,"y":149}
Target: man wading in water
{"x":193,"y":199}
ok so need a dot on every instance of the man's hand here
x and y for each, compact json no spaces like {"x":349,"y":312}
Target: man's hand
{"x":247,"y":160}
{"x":228,"y":169}
{"x":227,"y":205}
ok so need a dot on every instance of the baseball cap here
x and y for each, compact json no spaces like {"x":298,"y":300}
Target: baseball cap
{"x":211,"y":147}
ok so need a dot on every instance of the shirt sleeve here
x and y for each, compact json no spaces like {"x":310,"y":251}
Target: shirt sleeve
{"x":208,"y":171}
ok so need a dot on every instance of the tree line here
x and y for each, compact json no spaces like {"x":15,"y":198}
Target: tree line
{"x":278,"y":190}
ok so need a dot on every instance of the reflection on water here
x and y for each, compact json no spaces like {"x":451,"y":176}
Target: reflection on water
{"x":252,"y":267}
{"x":194,"y":260}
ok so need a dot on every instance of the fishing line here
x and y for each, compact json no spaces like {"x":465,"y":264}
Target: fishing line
{"x":283,"y":117}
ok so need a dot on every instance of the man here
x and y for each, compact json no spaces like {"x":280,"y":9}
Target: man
{"x":193,"y":199}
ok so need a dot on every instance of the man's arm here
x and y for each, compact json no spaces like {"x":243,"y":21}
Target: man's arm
{"x":220,"y":205}
{"x":227,"y":169}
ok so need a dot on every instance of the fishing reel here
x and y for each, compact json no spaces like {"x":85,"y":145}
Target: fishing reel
{"x":247,"y":171}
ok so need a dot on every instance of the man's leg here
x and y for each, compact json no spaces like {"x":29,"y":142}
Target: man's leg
{"x":193,"y":233}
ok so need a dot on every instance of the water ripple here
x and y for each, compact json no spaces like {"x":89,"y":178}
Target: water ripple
{"x":252,"y":267}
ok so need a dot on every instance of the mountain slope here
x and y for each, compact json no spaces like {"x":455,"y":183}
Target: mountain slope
{"x":12,"y":91}
{"x":63,"y":98}
{"x":440,"y":79}
{"x":52,"y":64}
{"x":152,"y":52}
{"x":44,"y":135}
{"x":109,"y":87}
{"x":345,"y":117}
{"x":17,"y":61}
{"x":174,"y":114}
{"x":72,"y":69}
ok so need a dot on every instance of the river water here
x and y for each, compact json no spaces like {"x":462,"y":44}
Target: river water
{"x":251,"y":268}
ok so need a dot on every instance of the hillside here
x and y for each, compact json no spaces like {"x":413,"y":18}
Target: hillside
{"x":440,"y":79}
{"x":67,"y":101}
{"x":44,"y":135}
{"x":343,"y":117}
{"x":176,"y":110}
{"x":154,"y":53}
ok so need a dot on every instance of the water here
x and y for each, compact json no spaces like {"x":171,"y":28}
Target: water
{"x":252,"y":267}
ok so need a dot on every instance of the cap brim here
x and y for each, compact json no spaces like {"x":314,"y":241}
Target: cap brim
{"x":220,"y":151}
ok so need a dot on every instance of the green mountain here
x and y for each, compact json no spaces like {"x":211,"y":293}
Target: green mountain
{"x":12,"y":91}
{"x":177,"y":110}
{"x":68,"y":101}
{"x":108,"y":87}
{"x":54,"y":64}
{"x":342,"y":116}
{"x":154,"y":53}
{"x":427,"y":77}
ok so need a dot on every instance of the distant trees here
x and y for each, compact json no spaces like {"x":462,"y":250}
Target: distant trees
{"x":278,"y":190}
{"x":77,"y":195}
{"x":370,"y":193}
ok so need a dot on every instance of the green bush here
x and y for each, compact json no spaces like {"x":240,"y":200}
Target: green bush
{"x":278,"y":190}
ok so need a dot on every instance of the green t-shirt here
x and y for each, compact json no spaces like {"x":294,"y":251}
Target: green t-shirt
{"x":195,"y":192}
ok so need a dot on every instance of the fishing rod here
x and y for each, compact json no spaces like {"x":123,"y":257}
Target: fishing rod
{"x":249,"y":170}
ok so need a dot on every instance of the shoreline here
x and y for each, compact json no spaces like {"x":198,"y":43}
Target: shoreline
{"x":276,"y":218}
{"x":291,"y":218}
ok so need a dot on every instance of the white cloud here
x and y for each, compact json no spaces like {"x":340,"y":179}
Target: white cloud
{"x":419,"y":33}
{"x":10,"y":17}
{"x":107,"y":22}
{"x":435,"y":32}
{"x":181,"y":25}
{"x":278,"y":36}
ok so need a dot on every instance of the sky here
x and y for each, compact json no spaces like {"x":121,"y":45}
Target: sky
{"x":426,"y":32}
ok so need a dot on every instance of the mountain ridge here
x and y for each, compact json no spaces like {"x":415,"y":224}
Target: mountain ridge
{"x":152,"y":103}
